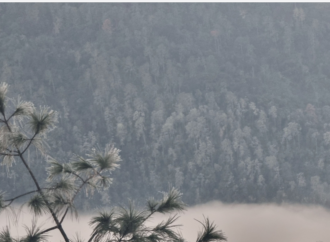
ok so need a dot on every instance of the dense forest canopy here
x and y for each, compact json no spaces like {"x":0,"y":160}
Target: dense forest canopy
{"x":225,"y":101}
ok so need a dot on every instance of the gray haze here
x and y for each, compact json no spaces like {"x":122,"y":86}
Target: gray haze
{"x":239,"y":222}
{"x":223,"y":101}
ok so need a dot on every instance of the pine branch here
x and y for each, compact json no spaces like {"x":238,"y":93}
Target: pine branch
{"x":209,"y":233}
{"x":20,"y":154}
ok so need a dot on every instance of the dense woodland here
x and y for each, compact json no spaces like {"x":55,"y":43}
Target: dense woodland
{"x":225,"y":101}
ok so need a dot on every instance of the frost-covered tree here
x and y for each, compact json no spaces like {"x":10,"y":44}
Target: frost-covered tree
{"x":26,"y":127}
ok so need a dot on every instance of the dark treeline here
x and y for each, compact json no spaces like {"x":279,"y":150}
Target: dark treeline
{"x":226,"y":101}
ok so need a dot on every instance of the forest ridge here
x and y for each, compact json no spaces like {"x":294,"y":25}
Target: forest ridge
{"x":225,"y":101}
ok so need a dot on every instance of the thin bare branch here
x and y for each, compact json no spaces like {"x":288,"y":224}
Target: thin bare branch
{"x":9,"y":154}
{"x":74,"y":196}
{"x":47,"y":230}
{"x":22,"y":195}
{"x":28,"y":145}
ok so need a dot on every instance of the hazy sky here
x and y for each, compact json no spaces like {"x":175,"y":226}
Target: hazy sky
{"x":240,"y":223}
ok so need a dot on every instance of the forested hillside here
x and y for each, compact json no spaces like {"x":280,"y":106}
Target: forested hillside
{"x":225,"y":101}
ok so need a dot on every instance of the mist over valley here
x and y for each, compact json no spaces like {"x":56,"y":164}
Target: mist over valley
{"x":239,"y":222}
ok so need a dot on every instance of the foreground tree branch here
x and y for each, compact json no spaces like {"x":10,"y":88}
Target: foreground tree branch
{"x":66,"y":180}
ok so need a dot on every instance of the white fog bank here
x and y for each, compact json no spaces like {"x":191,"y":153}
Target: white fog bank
{"x":239,"y":222}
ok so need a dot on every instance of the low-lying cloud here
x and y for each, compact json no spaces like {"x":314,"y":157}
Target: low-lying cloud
{"x":239,"y":222}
